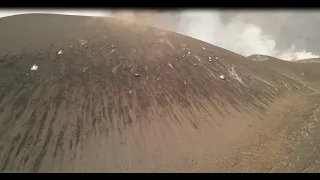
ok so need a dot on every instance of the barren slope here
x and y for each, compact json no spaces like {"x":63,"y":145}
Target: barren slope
{"x":125,"y":97}
{"x":304,"y":71}
{"x":311,"y":60}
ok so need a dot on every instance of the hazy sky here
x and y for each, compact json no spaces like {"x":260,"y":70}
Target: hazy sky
{"x":284,"y":34}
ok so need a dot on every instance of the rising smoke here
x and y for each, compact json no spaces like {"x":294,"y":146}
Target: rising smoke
{"x":245,"y":33}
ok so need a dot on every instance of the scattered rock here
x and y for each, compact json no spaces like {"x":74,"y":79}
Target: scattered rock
{"x":203,"y":48}
{"x":60,"y":52}
{"x":34,"y":67}
{"x":136,"y":75}
{"x":194,"y":64}
{"x":124,"y":68}
{"x":189,"y":52}
{"x":158,"y":79}
{"x":209,"y":57}
{"x":222,"y":77}
{"x":291,"y":148}
{"x":246,"y":153}
{"x":83,"y":42}
{"x":112,"y":45}
{"x":217,"y":58}
{"x":84,"y":69}
{"x":210,"y":60}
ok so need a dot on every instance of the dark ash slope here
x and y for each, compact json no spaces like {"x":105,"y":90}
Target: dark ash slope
{"x":122,"y":97}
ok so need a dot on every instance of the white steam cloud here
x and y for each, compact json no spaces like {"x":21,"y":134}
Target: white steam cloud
{"x":237,"y":35}
{"x":291,"y":54}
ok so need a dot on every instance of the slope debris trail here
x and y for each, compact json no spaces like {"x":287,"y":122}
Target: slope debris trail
{"x":129,"y":99}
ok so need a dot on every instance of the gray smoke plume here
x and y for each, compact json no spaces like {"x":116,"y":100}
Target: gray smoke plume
{"x":280,"y":34}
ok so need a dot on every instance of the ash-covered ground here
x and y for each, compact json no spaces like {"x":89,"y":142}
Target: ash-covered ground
{"x":83,"y":94}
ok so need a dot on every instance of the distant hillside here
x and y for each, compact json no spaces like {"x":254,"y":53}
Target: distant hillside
{"x":259,"y":57}
{"x":312,"y":60}
{"x":304,"y":71}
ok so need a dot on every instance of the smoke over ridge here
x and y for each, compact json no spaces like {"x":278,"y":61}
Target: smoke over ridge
{"x":238,"y":32}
